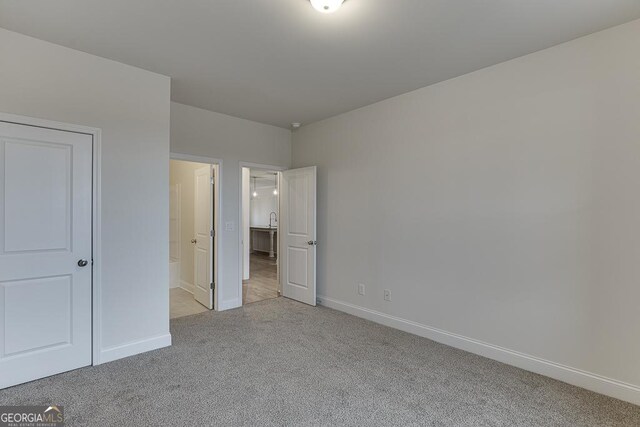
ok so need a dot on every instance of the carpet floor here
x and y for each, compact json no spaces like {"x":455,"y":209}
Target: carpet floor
{"x":277,"y":362}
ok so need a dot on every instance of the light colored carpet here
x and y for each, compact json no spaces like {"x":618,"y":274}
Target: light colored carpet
{"x":277,"y":362}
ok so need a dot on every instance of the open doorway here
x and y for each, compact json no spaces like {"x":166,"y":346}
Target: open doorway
{"x":289,"y":235}
{"x":260,"y":216}
{"x":193,"y":211}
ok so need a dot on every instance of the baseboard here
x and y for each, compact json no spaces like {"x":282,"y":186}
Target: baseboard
{"x":133,"y":348}
{"x":229,"y":304}
{"x":597,"y":383}
{"x":187,"y":286}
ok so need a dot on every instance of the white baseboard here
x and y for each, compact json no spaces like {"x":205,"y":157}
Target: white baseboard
{"x":187,"y":286}
{"x":133,"y":348}
{"x":229,"y":304}
{"x":594,"y":382}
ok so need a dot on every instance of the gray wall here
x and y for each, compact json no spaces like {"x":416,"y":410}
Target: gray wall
{"x":502,"y":205}
{"x":203,"y":133}
{"x":131,"y":107}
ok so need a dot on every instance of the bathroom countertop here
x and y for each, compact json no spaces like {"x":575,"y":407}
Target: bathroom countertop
{"x":265,"y":228}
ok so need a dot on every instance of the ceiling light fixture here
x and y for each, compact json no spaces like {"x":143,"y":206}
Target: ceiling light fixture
{"x":255,"y":193}
{"x":275,"y":183}
{"x":326,"y":6}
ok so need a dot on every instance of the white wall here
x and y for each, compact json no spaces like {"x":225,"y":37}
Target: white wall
{"x":203,"y":133}
{"x":264,"y":203}
{"x":501,"y":206}
{"x":175,"y":201}
{"x":131,"y":107}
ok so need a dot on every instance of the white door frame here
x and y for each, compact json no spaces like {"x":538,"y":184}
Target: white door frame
{"x":217,"y":217}
{"x":241,"y":231}
{"x":96,"y":244}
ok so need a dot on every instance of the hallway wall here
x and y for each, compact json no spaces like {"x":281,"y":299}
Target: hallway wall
{"x":204,"y":133}
{"x":264,"y":203}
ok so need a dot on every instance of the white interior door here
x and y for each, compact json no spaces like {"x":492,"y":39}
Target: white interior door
{"x":45,"y":252}
{"x":298,"y":238}
{"x":203,"y":239}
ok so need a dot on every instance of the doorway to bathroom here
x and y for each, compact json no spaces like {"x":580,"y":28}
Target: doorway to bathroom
{"x":260,"y":218}
{"x":193,"y":208}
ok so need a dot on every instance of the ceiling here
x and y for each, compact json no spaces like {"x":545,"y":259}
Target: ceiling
{"x":280,"y":61}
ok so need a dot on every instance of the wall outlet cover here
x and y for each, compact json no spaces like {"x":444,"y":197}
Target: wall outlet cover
{"x":361,"y":289}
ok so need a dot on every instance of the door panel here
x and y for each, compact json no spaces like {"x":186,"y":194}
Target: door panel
{"x":45,"y":228}
{"x":298,"y":204}
{"x":48,"y":302}
{"x":25,"y":163}
{"x":297,"y":262}
{"x":298,"y":223}
{"x":203,"y":225}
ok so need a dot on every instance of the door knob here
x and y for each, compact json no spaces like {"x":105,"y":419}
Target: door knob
{"x":312,"y":243}
{"x":82,"y":263}
{"x":194,"y":241}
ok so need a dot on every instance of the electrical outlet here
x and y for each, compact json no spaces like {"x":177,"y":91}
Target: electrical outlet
{"x":229,"y":226}
{"x":387,"y":295}
{"x":361,"y":289}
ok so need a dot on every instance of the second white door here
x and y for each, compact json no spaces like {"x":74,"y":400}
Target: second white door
{"x":298,"y":237}
{"x":203,"y":237}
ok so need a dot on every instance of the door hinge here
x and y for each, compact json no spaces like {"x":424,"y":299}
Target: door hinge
{"x":212,"y":233}
{"x":211,"y":180}
{"x":212,"y":286}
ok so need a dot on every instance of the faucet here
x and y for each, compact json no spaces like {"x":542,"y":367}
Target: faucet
{"x":274,"y":216}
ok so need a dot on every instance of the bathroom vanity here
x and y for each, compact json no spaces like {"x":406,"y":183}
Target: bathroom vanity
{"x":263,"y":239}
